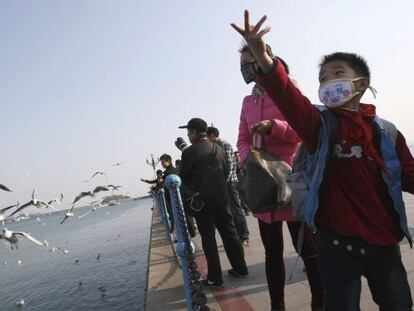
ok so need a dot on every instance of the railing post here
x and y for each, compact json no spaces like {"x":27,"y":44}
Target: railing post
{"x":195,"y":298}
{"x":163,"y":213}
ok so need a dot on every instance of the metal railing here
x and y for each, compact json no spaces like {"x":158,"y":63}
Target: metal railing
{"x":195,"y":297}
{"x":160,"y":198}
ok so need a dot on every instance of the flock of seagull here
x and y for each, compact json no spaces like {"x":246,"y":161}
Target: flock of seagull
{"x":13,"y":237}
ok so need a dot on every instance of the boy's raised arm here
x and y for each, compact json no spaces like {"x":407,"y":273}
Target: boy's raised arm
{"x":253,"y":36}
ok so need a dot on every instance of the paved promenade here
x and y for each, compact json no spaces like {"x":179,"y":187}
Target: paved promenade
{"x":165,"y":289}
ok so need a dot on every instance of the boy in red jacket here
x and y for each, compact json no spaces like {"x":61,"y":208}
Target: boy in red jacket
{"x":357,"y":206}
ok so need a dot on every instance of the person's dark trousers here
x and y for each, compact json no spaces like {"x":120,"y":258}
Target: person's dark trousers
{"x":170,"y":213}
{"x":190,"y":224}
{"x":343,"y":261}
{"x":237,"y":212}
{"x":220,"y":218}
{"x":272,"y":238}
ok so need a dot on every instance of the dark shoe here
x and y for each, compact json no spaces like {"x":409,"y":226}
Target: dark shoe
{"x":236,"y":274}
{"x":210,"y":284}
{"x":318,"y":309}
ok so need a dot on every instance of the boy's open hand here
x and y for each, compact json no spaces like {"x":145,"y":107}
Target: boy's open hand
{"x":253,"y":35}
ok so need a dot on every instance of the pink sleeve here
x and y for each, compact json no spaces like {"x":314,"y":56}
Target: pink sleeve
{"x":295,"y":107}
{"x":244,"y":139}
{"x":284,"y":131}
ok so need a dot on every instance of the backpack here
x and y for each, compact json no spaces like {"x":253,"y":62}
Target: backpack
{"x":298,"y":180}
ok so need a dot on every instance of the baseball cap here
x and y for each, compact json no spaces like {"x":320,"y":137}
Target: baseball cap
{"x":196,"y":124}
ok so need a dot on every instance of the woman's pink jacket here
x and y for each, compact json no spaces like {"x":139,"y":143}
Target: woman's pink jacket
{"x":282,"y":141}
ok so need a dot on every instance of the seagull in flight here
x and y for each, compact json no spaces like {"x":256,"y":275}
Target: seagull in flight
{"x":2,"y":211}
{"x":119,"y":163}
{"x":56,"y":200}
{"x":3,"y":187}
{"x":102,"y":173}
{"x":15,"y":236}
{"x":35,"y":202}
{"x":114,"y":187}
{"x":68,"y":214}
{"x":89,"y":193}
{"x":63,"y":250}
{"x":98,"y":173}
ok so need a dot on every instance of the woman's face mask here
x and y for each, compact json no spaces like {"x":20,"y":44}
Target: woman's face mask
{"x":248,"y":71}
{"x":337,"y":92}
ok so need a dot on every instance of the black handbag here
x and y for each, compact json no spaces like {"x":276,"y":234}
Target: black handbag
{"x":266,"y":187}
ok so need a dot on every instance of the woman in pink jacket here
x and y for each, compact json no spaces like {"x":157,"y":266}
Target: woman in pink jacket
{"x":259,"y":115}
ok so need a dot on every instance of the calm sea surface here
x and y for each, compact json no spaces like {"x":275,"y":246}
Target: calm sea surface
{"x":76,"y":281}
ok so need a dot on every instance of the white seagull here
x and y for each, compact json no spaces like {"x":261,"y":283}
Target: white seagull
{"x":102,"y":173}
{"x":89,"y":193}
{"x":68,"y":214}
{"x":56,"y":200}
{"x":2,"y":211}
{"x":63,"y":250}
{"x":35,"y":202}
{"x":119,"y":163}
{"x":114,"y":187}
{"x":15,"y":236}
{"x":98,"y":173}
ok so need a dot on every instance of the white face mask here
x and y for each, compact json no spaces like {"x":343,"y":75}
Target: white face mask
{"x":337,"y":92}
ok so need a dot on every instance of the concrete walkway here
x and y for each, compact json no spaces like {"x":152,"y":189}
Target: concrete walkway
{"x":165,"y":290}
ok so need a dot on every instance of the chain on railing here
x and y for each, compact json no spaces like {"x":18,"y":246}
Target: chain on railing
{"x":195,"y":298}
{"x":163,"y":212}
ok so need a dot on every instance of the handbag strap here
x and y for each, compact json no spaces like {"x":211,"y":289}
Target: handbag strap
{"x":257,"y":139}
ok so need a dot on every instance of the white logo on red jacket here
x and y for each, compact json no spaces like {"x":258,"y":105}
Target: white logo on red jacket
{"x":356,"y":151}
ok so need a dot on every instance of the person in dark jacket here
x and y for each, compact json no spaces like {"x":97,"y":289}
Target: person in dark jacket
{"x":156,"y":183}
{"x":236,"y":208}
{"x":169,"y":169}
{"x":202,"y":171}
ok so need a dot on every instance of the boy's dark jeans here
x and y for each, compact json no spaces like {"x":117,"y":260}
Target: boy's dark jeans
{"x":344,"y":260}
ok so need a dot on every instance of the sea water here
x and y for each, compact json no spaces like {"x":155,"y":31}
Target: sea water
{"x":52,"y":280}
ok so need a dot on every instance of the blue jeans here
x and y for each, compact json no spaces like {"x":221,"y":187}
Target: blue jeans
{"x":343,"y":261}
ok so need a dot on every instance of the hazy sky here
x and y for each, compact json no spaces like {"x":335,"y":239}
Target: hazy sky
{"x":85,"y":84}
